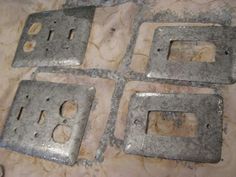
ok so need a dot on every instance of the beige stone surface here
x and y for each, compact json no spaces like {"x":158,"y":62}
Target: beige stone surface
{"x":109,"y":38}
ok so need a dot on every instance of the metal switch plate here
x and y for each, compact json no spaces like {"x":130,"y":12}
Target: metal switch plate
{"x":23,"y":132}
{"x":55,"y":38}
{"x":77,"y":3}
{"x":219,"y":71}
{"x":204,"y":147}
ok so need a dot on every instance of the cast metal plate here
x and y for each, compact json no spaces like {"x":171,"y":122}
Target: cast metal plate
{"x":23,"y":132}
{"x":204,"y":147}
{"x":55,"y":38}
{"x":219,"y":71}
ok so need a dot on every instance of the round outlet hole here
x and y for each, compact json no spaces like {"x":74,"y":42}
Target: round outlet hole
{"x":29,"y":46}
{"x":69,"y":109}
{"x":35,"y":28}
{"x":61,"y":134}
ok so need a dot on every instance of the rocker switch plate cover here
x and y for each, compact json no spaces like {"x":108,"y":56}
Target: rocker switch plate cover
{"x":55,"y":38}
{"x":204,"y":147}
{"x":220,"y":71}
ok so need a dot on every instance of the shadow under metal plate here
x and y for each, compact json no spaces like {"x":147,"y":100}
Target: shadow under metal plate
{"x":204,"y":147}
{"x":24,"y":134}
{"x":55,"y":38}
{"x":220,"y":71}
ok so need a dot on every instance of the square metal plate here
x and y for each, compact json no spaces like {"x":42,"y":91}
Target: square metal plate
{"x":24,"y":132}
{"x":204,"y":147}
{"x":55,"y":38}
{"x":219,"y":71}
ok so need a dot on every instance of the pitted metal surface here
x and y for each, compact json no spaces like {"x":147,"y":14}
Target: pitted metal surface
{"x":219,"y":71}
{"x":55,"y":38}
{"x":77,"y":3}
{"x":124,"y":74}
{"x":25,"y":132}
{"x":205,"y":147}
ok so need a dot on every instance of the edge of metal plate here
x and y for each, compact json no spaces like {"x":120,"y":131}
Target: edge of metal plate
{"x":59,"y":38}
{"x":24,"y":134}
{"x":205,"y":147}
{"x":219,"y":71}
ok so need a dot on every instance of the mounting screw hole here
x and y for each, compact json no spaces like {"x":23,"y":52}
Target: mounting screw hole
{"x":208,"y":126}
{"x":64,"y":121}
{"x":136,"y":121}
{"x":226,"y":52}
{"x":27,"y":96}
{"x":158,"y":49}
{"x":36,"y":135}
{"x":48,"y":99}
{"x":55,"y":22}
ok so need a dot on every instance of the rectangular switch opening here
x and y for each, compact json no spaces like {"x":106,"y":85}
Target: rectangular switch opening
{"x":198,"y":51}
{"x":50,"y":35}
{"x":178,"y":124}
{"x":71,"y":34}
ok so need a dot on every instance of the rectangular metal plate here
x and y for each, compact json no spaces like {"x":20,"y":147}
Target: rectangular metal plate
{"x":24,"y":132}
{"x":55,"y":38}
{"x":219,"y":71}
{"x":204,"y":147}
{"x":77,"y":3}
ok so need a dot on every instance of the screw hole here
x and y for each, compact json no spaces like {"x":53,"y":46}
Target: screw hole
{"x":55,"y":22}
{"x":226,"y":52}
{"x":27,"y":96}
{"x":36,"y":135}
{"x":48,"y":99}
{"x":158,"y":49}
{"x":64,"y":121}
{"x":208,"y":126}
{"x":136,"y":121}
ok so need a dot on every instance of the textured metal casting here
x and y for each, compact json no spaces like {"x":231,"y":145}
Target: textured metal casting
{"x":220,"y":71}
{"x":205,"y":147}
{"x":124,"y":74}
{"x":25,"y":132}
{"x":55,"y":38}
{"x":97,"y":3}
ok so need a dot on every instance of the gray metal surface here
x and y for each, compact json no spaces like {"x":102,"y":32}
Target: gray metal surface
{"x":205,"y":147}
{"x":23,"y":132}
{"x":77,"y":3}
{"x":55,"y":44}
{"x":220,"y":71}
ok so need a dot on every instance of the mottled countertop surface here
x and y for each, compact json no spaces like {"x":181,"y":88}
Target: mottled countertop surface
{"x":110,"y":35}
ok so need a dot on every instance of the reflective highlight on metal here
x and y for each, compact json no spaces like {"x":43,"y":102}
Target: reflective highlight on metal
{"x":205,"y":147}
{"x":25,"y":133}
{"x":55,"y":38}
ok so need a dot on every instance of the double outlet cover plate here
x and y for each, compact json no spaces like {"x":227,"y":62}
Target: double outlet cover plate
{"x":55,"y":38}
